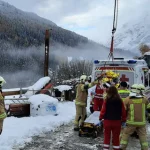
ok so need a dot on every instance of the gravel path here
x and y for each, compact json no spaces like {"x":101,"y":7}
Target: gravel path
{"x":64,"y":138}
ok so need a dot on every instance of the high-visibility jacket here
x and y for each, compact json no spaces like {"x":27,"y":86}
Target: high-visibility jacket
{"x":124,"y":93}
{"x":2,"y":108}
{"x":148,"y":106}
{"x":136,"y":107}
{"x":82,"y":93}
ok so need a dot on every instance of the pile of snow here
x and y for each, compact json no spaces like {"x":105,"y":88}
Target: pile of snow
{"x":41,"y":105}
{"x":37,"y":86}
{"x":62,"y":88}
{"x":19,"y":131}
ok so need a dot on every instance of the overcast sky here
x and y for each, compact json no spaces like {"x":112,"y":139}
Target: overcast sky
{"x":91,"y":18}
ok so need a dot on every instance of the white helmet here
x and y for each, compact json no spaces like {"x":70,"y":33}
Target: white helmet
{"x":141,"y":87}
{"x":2,"y":81}
{"x":134,"y":88}
{"x":137,"y":89}
{"x":83,"y":78}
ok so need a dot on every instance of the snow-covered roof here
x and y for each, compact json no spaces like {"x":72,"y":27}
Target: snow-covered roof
{"x":37,"y":86}
{"x":62,"y":88}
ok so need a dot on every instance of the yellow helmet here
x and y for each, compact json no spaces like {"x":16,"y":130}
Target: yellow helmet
{"x":83,"y":78}
{"x":2,"y":81}
{"x":112,"y":74}
{"x":105,"y":80}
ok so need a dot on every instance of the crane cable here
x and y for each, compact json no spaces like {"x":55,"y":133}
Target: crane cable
{"x":115,"y":21}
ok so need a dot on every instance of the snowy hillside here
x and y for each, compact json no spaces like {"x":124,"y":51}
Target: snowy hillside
{"x":24,"y":29}
{"x":134,"y":23}
{"x":12,"y":12}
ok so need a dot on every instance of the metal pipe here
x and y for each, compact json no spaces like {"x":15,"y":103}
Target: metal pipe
{"x":46,"y":62}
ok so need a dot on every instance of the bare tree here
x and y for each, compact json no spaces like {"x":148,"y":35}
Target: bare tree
{"x":72,"y":69}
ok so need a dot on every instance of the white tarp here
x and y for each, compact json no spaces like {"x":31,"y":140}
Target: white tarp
{"x":93,"y":118}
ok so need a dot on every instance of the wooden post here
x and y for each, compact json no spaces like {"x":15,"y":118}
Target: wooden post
{"x":46,"y":63}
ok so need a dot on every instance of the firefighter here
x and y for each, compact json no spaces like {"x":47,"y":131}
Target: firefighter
{"x":81,"y":101}
{"x":135,"y":105}
{"x":114,"y":115}
{"x":99,"y":95}
{"x":2,"y":105}
{"x":123,"y":91}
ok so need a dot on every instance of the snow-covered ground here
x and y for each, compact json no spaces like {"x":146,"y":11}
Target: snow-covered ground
{"x":19,"y":131}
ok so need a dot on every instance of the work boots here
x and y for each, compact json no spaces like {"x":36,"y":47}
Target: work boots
{"x":76,"y":128}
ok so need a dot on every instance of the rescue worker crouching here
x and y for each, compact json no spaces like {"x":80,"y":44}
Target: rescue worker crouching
{"x":123,"y":91}
{"x":81,"y":101}
{"x":2,"y":105}
{"x":135,"y":105}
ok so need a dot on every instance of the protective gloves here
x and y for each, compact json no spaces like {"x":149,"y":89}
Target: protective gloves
{"x":123,"y":124}
{"x":100,"y":123}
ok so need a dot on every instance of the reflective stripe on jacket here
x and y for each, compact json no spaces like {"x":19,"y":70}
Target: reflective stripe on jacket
{"x":124,"y":93}
{"x":136,"y":107}
{"x":148,"y":106}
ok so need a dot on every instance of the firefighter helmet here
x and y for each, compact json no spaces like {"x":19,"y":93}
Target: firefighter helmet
{"x":2,"y":81}
{"x":135,"y":88}
{"x":141,"y":87}
{"x":83,"y":78}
